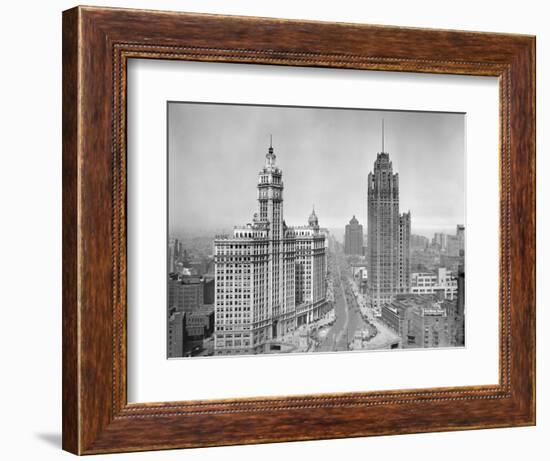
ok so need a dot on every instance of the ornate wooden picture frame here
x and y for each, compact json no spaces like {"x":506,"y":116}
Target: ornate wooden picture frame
{"x":97,"y":44}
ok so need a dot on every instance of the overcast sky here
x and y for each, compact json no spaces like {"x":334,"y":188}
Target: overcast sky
{"x":215,"y":153}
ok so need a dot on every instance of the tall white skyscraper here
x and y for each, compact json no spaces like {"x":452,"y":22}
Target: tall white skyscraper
{"x":269,"y":278}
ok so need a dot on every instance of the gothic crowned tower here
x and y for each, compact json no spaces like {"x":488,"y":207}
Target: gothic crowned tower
{"x":388,"y":241}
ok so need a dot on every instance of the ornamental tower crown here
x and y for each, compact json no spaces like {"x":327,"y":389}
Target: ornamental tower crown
{"x":313,"y":221}
{"x":270,"y":194}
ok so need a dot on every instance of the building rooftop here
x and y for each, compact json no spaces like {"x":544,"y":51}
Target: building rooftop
{"x":421,"y":304}
{"x":185,"y":279}
{"x":353,"y":220}
{"x":205,"y":309}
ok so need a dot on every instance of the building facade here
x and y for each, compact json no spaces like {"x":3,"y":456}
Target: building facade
{"x":404,"y":254}
{"x":442,"y":283}
{"x":419,"y":242}
{"x":458,"y":313}
{"x":460,"y":229}
{"x":269,"y":277}
{"x":453,"y":246}
{"x":450,"y":245}
{"x":424,"y":321}
{"x":432,"y":326}
{"x":176,"y":334}
{"x":310,"y":270}
{"x":173,"y":254}
{"x":440,"y":240}
{"x":388,"y":238}
{"x":353,"y":242}
{"x":200,"y":324}
{"x":185,"y":292}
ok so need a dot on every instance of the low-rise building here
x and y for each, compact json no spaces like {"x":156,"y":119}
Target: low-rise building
{"x":442,"y":283}
{"x":423,"y":321}
{"x":200,"y":323}
{"x":185,"y":292}
{"x":177,"y":334}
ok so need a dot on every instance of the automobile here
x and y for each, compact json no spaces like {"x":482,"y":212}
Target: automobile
{"x":196,"y":350}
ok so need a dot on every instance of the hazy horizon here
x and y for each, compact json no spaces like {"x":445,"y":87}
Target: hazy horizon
{"x":338,"y":233}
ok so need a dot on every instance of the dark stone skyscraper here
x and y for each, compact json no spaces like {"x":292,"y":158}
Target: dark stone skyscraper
{"x":353,"y":243}
{"x":388,"y":240}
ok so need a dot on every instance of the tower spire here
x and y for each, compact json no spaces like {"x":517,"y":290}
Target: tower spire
{"x":382,"y":135}
{"x":270,"y":144}
{"x":270,"y":156}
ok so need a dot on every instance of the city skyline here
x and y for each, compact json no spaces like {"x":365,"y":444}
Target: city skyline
{"x":338,"y":233}
{"x":204,"y":138}
{"x":272,"y":281}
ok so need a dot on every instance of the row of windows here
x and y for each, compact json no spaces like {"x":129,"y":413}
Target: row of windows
{"x":265,"y":178}
{"x":233,"y":344}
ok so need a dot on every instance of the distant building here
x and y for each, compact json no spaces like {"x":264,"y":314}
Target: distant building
{"x":353,"y":242}
{"x":388,"y":241}
{"x":185,"y":292}
{"x":174,"y":254}
{"x":453,"y":258}
{"x":461,"y":238}
{"x":440,"y":239}
{"x":177,"y":334}
{"x":441,"y":283}
{"x":198,"y":266}
{"x":453,"y":246}
{"x":419,"y":242}
{"x":444,"y":250}
{"x":452,"y":263}
{"x":425,"y":260}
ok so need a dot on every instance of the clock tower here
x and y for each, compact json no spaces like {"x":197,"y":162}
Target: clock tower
{"x":270,"y":200}
{"x":270,"y":195}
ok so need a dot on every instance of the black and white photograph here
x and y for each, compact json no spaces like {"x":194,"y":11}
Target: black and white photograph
{"x":275,"y":230}
{"x":311,"y":229}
